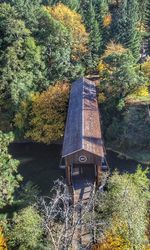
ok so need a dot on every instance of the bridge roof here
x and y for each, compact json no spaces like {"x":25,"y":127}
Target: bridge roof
{"x":83,"y":131}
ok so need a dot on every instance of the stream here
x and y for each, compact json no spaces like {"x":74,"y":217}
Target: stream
{"x":39,"y":163}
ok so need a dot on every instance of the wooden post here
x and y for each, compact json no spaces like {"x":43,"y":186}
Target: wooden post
{"x":99,"y":175}
{"x":69,"y":180}
{"x":68,"y":173}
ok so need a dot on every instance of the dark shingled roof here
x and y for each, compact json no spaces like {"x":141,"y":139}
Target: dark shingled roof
{"x":83,"y":129}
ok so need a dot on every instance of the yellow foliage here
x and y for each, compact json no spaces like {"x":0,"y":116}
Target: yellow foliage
{"x":101,"y":98}
{"x":104,"y":67}
{"x":145,"y":67}
{"x":112,"y":242}
{"x":140,"y":92}
{"x":115,"y":239}
{"x":73,"y":21}
{"x":146,"y":247}
{"x":49,"y":113}
{"x":141,"y":27}
{"x":101,"y":66}
{"x":3,"y":245}
{"x":114,"y":48}
{"x":21,"y":116}
{"x":107,"y":20}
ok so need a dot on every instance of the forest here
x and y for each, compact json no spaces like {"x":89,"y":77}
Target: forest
{"x":44,"y":46}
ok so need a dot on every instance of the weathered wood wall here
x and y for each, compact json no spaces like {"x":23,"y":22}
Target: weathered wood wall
{"x":91,"y":158}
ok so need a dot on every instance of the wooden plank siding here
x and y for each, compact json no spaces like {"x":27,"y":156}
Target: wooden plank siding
{"x":83,"y":131}
{"x":91,"y":158}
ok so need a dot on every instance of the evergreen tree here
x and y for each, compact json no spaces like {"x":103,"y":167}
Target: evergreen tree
{"x":125,"y":26}
{"x":55,"y":40}
{"x":119,"y":78}
{"x":95,"y":41}
{"x":148,"y":15}
{"x":27,"y":10}
{"x":147,"y":23}
{"x":84,"y":9}
{"x":47,"y":2}
{"x":88,"y":14}
{"x":143,"y":6}
{"x":133,"y":37}
{"x":22,"y":68}
{"x":72,"y":4}
{"x":101,"y":8}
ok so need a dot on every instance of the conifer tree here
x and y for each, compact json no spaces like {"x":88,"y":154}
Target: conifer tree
{"x":89,"y":17}
{"x":83,"y":9}
{"x":95,"y":41}
{"x":147,"y":24}
{"x":148,"y":15}
{"x":72,"y":4}
{"x":101,"y":11}
{"x":143,"y":7}
{"x":125,"y":26}
{"x":133,"y":38}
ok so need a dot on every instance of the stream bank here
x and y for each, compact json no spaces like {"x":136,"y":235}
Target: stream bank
{"x":39,"y":163}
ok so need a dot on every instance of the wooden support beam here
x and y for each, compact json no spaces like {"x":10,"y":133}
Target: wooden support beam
{"x":69,"y":180}
{"x":98,"y":175}
{"x":68,"y":173}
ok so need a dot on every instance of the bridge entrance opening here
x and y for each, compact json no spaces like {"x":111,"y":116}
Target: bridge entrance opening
{"x":83,"y":174}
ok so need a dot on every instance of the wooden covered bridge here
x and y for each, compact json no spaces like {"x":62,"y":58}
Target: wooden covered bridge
{"x":83,"y":149}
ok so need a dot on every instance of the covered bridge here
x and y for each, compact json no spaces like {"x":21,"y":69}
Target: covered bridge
{"x":83,"y":147}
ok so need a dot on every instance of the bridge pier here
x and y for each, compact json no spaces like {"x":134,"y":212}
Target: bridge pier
{"x":98,"y":175}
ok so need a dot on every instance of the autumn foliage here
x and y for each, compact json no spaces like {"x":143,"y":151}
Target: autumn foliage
{"x":112,"y":242}
{"x":107,"y":20}
{"x":73,"y":21}
{"x":3,"y":245}
{"x":49,"y":113}
{"x":113,"y":47}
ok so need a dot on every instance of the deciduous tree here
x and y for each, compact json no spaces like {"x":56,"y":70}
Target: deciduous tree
{"x":49,"y":113}
{"x":73,"y":22}
{"x":22,"y":68}
{"x":125,"y":206}
{"x":119,"y":76}
{"x":26,"y":232}
{"x":3,"y":245}
{"x":56,"y":41}
{"x":9,"y":177}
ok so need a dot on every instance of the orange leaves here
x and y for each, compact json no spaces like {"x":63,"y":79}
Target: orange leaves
{"x":73,"y":21}
{"x":107,"y":20}
{"x":49,"y":113}
{"x":2,"y":241}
